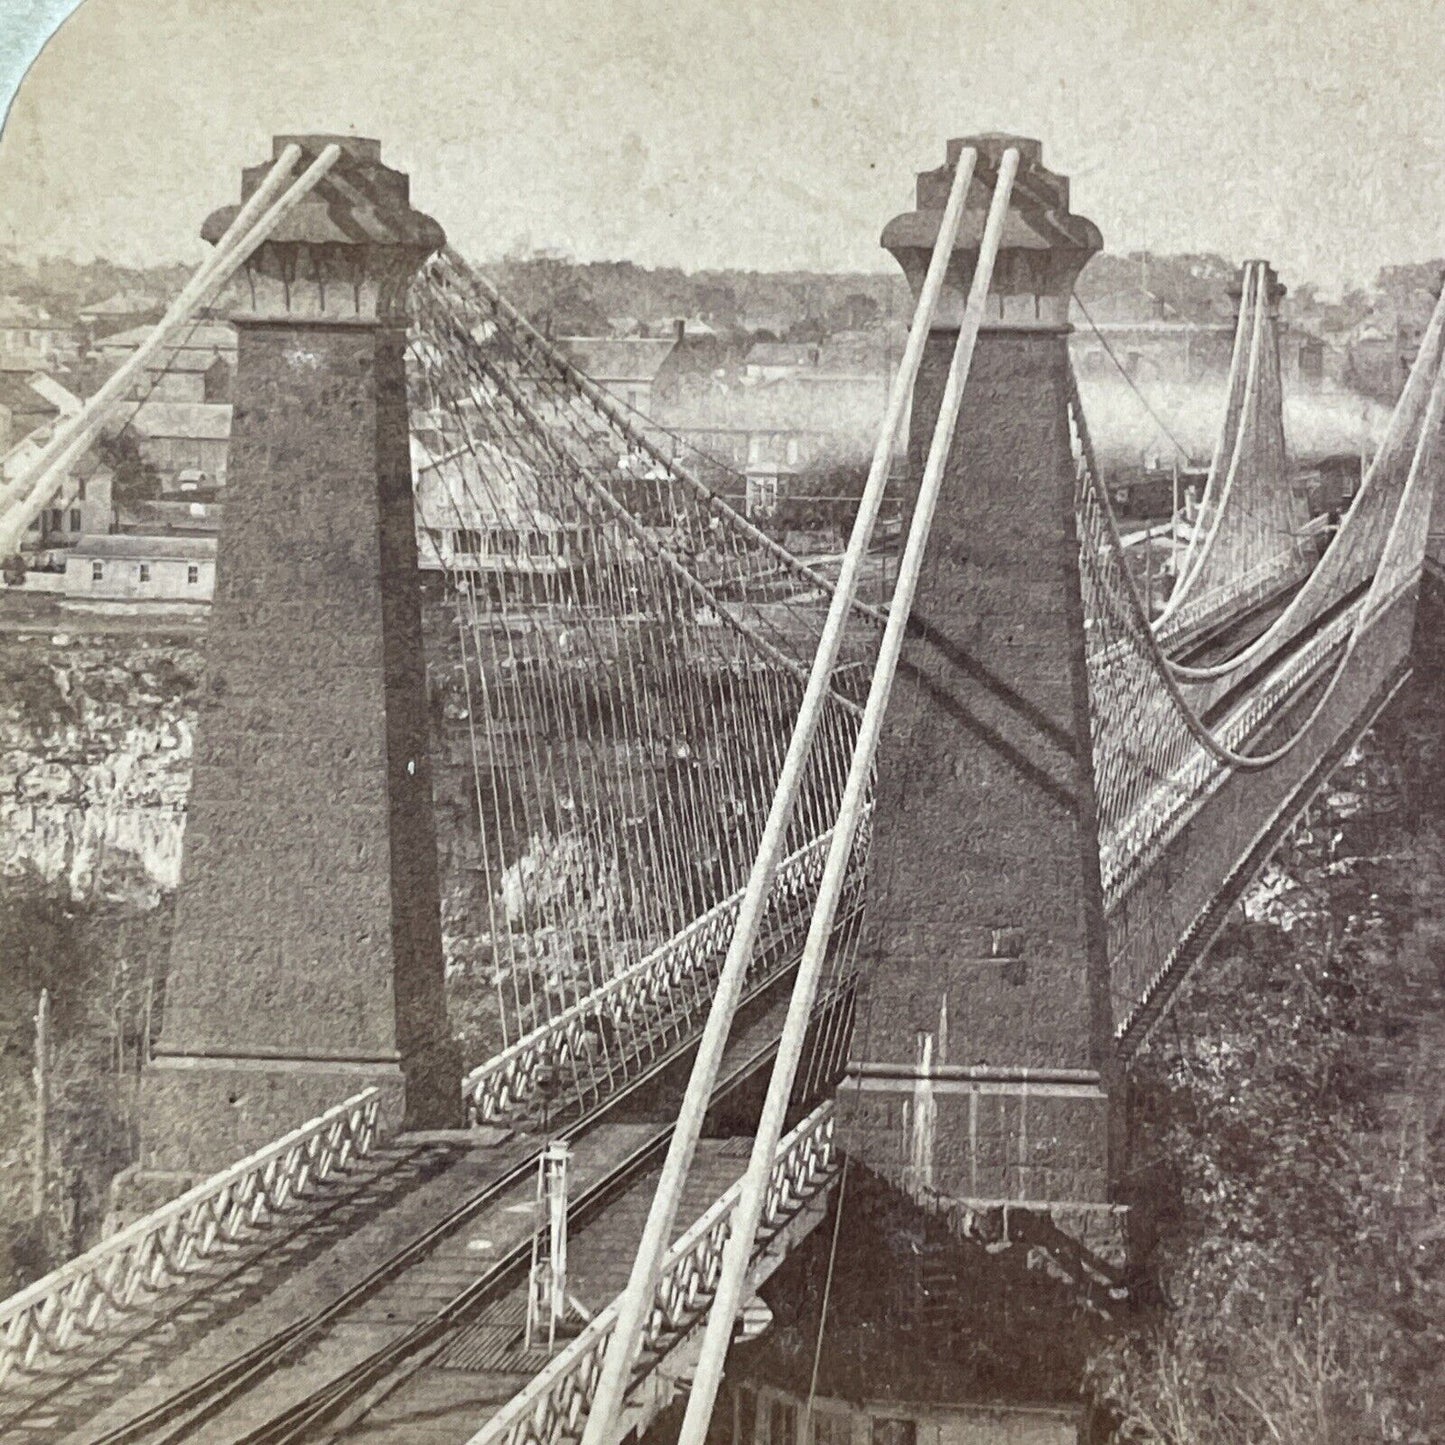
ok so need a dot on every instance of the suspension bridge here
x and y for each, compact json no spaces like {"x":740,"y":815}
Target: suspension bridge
{"x":767,"y":878}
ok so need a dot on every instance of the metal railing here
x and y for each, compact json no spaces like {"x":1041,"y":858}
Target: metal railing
{"x":1233,"y":598}
{"x":82,"y":1298}
{"x":555,"y":1403}
{"x":1132,"y":847}
{"x":662,"y":991}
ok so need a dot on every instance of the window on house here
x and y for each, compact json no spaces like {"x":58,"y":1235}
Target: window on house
{"x":97,"y":571}
{"x":832,"y":1429}
{"x":145,"y":571}
{"x":890,"y":1431}
{"x":75,"y":519}
{"x":193,"y":574}
{"x":782,"y":1423}
{"x":57,"y":518}
{"x":762,"y":496}
{"x":468,"y":540}
{"x":745,"y":1417}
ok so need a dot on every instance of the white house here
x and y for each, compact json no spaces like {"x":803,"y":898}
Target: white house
{"x":127,"y":568}
{"x":485,"y":515}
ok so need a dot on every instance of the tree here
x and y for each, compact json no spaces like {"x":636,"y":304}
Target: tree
{"x":551,"y":290}
{"x":825,"y":493}
{"x":135,"y":479}
{"x":855,"y":312}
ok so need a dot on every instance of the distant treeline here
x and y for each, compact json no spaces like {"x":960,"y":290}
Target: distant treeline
{"x":580,"y":298}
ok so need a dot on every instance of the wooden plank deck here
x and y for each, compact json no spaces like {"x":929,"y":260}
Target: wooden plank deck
{"x":474,"y":1163}
{"x":445,"y":1402}
{"x":329,"y":1243}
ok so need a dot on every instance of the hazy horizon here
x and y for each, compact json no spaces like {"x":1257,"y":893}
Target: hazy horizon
{"x":747,"y":138}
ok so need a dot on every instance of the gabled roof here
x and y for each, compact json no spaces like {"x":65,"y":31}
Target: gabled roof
{"x":617,"y":358}
{"x":195,"y":420}
{"x":123,"y":546}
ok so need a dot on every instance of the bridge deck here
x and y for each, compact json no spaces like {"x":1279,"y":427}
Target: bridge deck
{"x":324,"y":1253}
{"x":486,"y":1363}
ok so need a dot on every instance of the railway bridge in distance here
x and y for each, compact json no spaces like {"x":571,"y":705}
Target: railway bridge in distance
{"x":929,"y":883}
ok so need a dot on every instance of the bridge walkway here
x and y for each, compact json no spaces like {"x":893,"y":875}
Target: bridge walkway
{"x":484,"y":1365}
{"x":363,"y":1267}
{"x":71,"y":1390}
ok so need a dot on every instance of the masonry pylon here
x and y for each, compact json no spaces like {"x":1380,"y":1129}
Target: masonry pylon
{"x":980,"y":1075}
{"x":307,"y":960}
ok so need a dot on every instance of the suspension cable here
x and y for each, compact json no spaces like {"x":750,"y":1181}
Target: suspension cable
{"x":737,"y":1253}
{"x":1365,"y":614}
{"x":637,"y":1300}
{"x":1199,"y":549}
{"x":242,"y":238}
{"x":1397,"y":436}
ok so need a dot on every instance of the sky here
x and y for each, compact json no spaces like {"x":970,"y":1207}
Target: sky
{"x":769,"y":134}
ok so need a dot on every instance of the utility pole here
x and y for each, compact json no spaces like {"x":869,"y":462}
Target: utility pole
{"x":41,"y":1166}
{"x":1174,"y":521}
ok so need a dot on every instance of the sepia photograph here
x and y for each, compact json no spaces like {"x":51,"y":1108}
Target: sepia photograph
{"x":721,"y":724}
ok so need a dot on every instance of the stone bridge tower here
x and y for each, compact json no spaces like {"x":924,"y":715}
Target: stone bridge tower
{"x":980,"y":1075}
{"x":307,"y":959}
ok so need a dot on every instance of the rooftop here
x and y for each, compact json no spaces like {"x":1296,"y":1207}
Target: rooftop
{"x":783,"y":353}
{"x":462,"y":485}
{"x":15,"y":312}
{"x":17,"y":393}
{"x":617,"y":358}
{"x":122,"y":303}
{"x":197,"y":420}
{"x":207,"y":336}
{"x":130,"y":547}
{"x":26,"y":362}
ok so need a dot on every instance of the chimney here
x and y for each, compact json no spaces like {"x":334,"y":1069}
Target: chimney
{"x":679,"y":329}
{"x":97,"y":515}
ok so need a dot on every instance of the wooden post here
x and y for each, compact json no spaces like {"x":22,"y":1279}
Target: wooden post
{"x":41,"y":1163}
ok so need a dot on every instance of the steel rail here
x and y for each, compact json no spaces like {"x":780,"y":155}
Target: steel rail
{"x":243,"y":1266}
{"x":389,"y":1367}
{"x":181,"y":1413}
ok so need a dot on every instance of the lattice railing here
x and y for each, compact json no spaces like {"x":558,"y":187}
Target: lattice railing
{"x":616,"y":1026}
{"x":84,"y":1297}
{"x":1239,"y":596}
{"x":1130,"y":851}
{"x":554,"y":1404}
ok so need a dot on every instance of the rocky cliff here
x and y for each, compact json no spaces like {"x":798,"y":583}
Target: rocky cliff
{"x":95,"y":746}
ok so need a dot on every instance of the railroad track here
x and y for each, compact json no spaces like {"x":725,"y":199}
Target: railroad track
{"x":401,"y":1170}
{"x":177,"y":1418}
